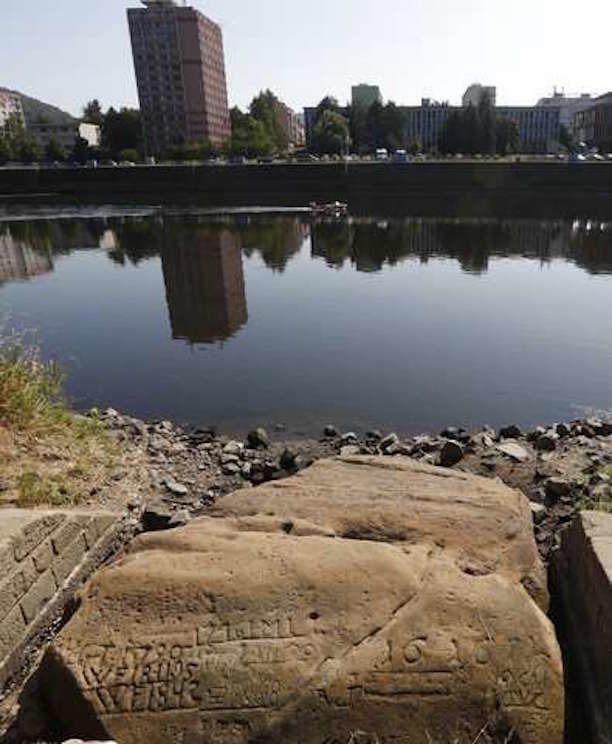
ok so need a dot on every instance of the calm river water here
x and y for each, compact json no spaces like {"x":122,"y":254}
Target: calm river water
{"x":409,"y":325}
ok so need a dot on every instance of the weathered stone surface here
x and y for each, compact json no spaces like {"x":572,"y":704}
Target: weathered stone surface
{"x":514,"y":451}
{"x":43,"y":557}
{"x":364,"y":595}
{"x":582,"y":571}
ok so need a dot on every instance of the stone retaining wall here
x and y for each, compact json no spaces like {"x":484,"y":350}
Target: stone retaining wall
{"x":44,"y":556}
{"x":582,"y":575}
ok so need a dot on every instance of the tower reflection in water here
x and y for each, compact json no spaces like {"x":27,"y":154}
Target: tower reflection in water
{"x":205,"y":288}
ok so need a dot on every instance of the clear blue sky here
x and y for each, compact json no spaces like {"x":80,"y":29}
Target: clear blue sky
{"x":69,"y":51}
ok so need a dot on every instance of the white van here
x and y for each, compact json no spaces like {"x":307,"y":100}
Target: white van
{"x":382,"y":154}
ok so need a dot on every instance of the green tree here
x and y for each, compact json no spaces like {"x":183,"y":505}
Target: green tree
{"x":6,"y":152}
{"x":80,"y":151}
{"x":331,"y":134}
{"x":92,"y":112}
{"x":28,"y":150}
{"x":508,"y":137}
{"x":266,"y":109}
{"x":121,"y":130}
{"x":55,"y":151}
{"x":486,"y":125}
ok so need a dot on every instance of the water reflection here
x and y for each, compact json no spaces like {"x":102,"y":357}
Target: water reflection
{"x":205,"y":288}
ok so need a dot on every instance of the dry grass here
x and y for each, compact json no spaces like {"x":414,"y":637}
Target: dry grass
{"x":49,"y":454}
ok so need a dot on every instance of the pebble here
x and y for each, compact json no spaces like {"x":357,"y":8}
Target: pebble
{"x":178,"y":489}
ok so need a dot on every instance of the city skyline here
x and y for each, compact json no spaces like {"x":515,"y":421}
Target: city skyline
{"x":271,"y":45}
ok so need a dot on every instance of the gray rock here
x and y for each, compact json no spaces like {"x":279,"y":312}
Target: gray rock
{"x":258,"y":439}
{"x":350,"y":450}
{"x":287,"y":460}
{"x":231,"y":468}
{"x":179,"y":519}
{"x":246,"y":470}
{"x":546,"y":442}
{"x":178,"y":489}
{"x":226,"y":459}
{"x":514,"y":451}
{"x":349,"y":438}
{"x":556,"y":489}
{"x":451,"y":454}
{"x":331,"y":432}
{"x":233,"y":448}
{"x":156,"y":517}
{"x":563,"y":430}
{"x":374,"y":435}
{"x":456,"y":434}
{"x":538,"y":511}
{"x":391,"y":440}
{"x":510,"y":432}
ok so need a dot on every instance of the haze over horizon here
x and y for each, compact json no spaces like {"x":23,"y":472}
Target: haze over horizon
{"x":67,"y":52}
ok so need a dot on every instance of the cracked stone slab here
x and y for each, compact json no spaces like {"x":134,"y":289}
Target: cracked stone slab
{"x":304,"y":624}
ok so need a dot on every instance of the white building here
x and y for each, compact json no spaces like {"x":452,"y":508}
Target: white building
{"x":475,"y":92}
{"x":10,"y":103}
{"x":568,"y":105}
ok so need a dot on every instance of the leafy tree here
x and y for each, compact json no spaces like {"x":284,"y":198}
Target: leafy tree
{"x":192,"y":152}
{"x":121,"y":130}
{"x":265,"y":108}
{"x":55,"y":151}
{"x":250,"y":138}
{"x":329,"y":103}
{"x":28,"y":150}
{"x":80,"y":150}
{"x":92,"y":113}
{"x":331,"y":134}
{"x":508,"y":136}
{"x":486,"y":125}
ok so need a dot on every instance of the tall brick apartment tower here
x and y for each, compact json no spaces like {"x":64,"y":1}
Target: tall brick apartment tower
{"x":180,"y":72}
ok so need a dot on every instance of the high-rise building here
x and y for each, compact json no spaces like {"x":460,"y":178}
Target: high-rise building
{"x":291,"y":124}
{"x":476,"y":91}
{"x":364,"y":95}
{"x":180,"y":73}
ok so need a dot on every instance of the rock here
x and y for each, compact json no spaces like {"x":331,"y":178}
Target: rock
{"x":391,"y":440}
{"x":156,"y":516}
{"x":538,"y":511}
{"x":374,"y":435}
{"x":350,"y":450}
{"x":178,"y":489}
{"x":179,"y":519}
{"x":377,"y":596}
{"x":510,"y":432}
{"x":581,"y":572}
{"x":546,"y":442}
{"x":287,"y":460}
{"x":563,"y":430}
{"x":330,"y":432}
{"x":514,"y":451}
{"x":233,"y":448}
{"x":258,"y":439}
{"x":231,"y":468}
{"x":556,"y":489}
{"x":451,"y":454}
{"x":246,"y":470}
{"x":348,"y":438}
{"x":456,"y":434}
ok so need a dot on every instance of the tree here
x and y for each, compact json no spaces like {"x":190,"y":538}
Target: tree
{"x":28,"y":150}
{"x":508,"y":136}
{"x":121,"y":130}
{"x":250,"y":137}
{"x":55,"y":151}
{"x":92,"y":113}
{"x":80,"y":150}
{"x":331,"y":134}
{"x":194,"y":151}
{"x":486,"y":125}
{"x":266,"y":109}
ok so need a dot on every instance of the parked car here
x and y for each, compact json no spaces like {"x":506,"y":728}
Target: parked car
{"x":382,"y":153}
{"x":306,"y":157}
{"x":238,"y":160}
{"x":400,"y":156}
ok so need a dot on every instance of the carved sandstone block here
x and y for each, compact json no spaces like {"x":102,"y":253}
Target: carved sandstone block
{"x":232,"y":630}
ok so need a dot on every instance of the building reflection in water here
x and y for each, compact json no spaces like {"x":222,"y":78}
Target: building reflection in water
{"x":20,"y":260}
{"x":205,"y":288}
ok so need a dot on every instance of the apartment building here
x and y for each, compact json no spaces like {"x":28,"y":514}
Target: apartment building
{"x":180,"y":73}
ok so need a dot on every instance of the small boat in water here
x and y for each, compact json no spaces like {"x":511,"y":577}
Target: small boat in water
{"x":333,"y":209}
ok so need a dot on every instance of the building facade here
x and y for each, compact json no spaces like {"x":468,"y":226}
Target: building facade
{"x":476,"y":91}
{"x":424,"y":123}
{"x":567,"y":105}
{"x":593,"y":124}
{"x":180,"y":74}
{"x":65,"y":134}
{"x":539,"y":127}
{"x":364,"y":95}
{"x":10,"y":103}
{"x":292,"y":125}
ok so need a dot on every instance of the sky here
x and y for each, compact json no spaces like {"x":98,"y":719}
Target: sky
{"x":67,"y":52}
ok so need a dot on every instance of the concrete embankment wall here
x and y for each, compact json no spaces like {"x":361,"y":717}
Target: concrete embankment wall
{"x":556,"y":188}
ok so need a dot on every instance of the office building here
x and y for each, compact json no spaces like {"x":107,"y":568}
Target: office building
{"x":364,"y":96}
{"x":10,"y":103}
{"x":567,"y":105}
{"x":539,"y":127}
{"x":180,"y":74}
{"x":476,"y":91}
{"x":593,"y":123}
{"x":64,"y":134}
{"x":292,"y":125}
{"x":425,"y":123}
